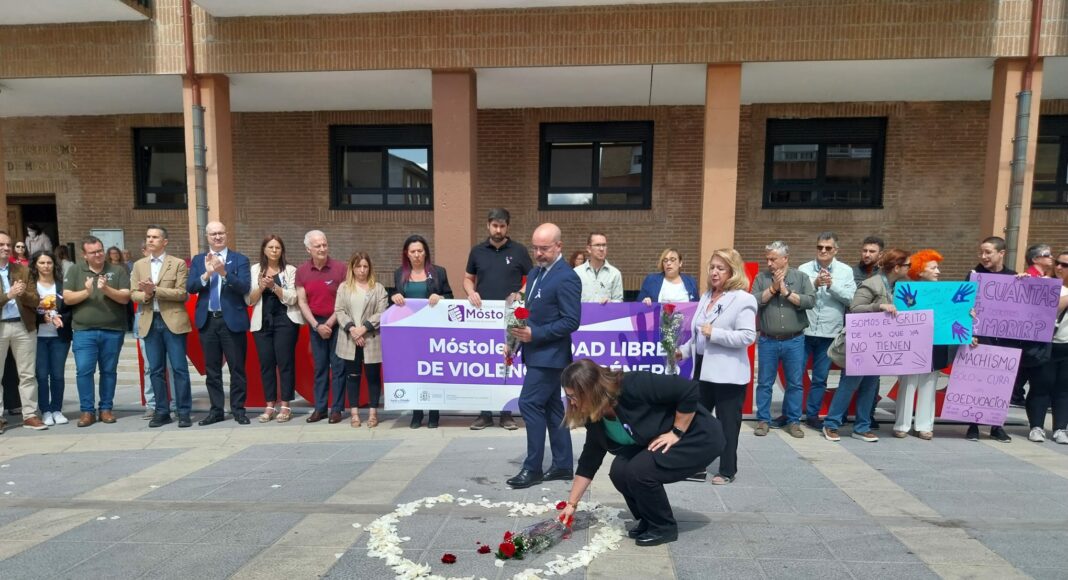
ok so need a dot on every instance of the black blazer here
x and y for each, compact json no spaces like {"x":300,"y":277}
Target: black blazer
{"x":646,"y":407}
{"x":66,"y":334}
{"x":437,"y":283}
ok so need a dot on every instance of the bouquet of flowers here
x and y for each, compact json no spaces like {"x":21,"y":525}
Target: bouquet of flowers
{"x":47,"y":306}
{"x":670,"y":327}
{"x":537,"y":538}
{"x":515,"y":316}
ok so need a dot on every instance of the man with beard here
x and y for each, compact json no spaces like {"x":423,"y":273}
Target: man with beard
{"x":495,"y":269}
{"x":871,"y":251}
{"x":553,"y":295}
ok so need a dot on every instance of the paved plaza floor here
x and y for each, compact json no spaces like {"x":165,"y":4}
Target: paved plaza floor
{"x":281,"y":501}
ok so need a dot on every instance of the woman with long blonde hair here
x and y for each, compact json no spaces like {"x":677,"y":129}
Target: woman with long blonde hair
{"x":359,"y":305}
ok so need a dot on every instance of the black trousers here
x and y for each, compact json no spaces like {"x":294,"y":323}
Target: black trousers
{"x":1050,"y":387}
{"x":353,"y":371}
{"x":1036,"y":375}
{"x":276,"y":343}
{"x":12,"y":398}
{"x":641,"y":482}
{"x":726,"y":400}
{"x":218,"y":341}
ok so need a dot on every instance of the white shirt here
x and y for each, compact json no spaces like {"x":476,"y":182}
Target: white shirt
{"x":673,"y":292}
{"x":46,"y":329}
{"x":156,"y":265}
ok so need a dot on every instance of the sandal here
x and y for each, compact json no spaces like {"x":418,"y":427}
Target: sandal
{"x":285,"y":414}
{"x":372,"y":421}
{"x":720,"y":479}
{"x":268,"y":414}
{"x":355,"y":421}
{"x":925,"y":435}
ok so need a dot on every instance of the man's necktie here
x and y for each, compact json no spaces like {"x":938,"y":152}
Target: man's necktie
{"x":530,"y":294}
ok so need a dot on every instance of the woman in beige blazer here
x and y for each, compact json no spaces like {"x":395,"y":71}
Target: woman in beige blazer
{"x":360,"y":302}
{"x":275,"y":326}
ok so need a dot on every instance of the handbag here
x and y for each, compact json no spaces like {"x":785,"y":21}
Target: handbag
{"x":837,"y":351}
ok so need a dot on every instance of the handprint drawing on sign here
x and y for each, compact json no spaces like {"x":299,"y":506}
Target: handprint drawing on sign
{"x":907,"y":294}
{"x":961,"y":333}
{"x":963,"y":293}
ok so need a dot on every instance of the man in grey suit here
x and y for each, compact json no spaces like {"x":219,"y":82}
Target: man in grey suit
{"x":553,"y":296}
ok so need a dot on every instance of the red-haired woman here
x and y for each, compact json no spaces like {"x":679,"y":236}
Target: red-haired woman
{"x":923,"y":267}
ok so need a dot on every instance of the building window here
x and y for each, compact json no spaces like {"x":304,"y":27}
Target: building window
{"x":1050,"y":185}
{"x":159,"y":168}
{"x":381,"y":167}
{"x":596,"y":165}
{"x":824,"y":163}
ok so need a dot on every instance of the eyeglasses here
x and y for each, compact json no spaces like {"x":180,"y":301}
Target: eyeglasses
{"x":825,"y":248}
{"x":1045,"y":255}
{"x":1062,"y":264}
{"x":19,"y":246}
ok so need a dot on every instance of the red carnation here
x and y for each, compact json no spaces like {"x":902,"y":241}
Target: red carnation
{"x":561,"y":505}
{"x":522,"y":313}
{"x":508,"y":536}
{"x":448,"y":559}
{"x":484,"y":549}
{"x":669,"y":309}
{"x":507,"y":549}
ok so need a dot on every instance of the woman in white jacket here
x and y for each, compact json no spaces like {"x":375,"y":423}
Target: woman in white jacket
{"x":275,"y":326}
{"x":724,"y":326}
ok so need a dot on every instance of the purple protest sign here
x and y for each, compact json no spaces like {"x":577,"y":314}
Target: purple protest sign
{"x":881,"y":344}
{"x":1011,"y":307}
{"x":981,"y":384}
{"x":450,"y":356}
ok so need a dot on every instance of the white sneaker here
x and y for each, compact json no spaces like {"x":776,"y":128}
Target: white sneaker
{"x":1061,"y":436}
{"x":47,"y":417}
{"x":58,"y":417}
{"x":1037,"y":434}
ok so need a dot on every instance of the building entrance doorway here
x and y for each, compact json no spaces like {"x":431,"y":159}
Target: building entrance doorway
{"x":32,"y":209}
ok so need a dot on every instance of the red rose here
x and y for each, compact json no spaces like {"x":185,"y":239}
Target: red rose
{"x":508,"y":536}
{"x":561,"y":505}
{"x":484,"y":549}
{"x":522,"y":313}
{"x":506,"y":549}
{"x":448,"y":559}
{"x":669,"y":309}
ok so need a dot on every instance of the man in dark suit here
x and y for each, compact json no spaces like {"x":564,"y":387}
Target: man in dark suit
{"x":553,"y":296}
{"x":220,"y":278}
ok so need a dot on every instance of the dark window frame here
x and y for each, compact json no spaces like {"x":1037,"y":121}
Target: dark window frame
{"x":1053,"y":128}
{"x":379,"y":138}
{"x":596,"y":134}
{"x":149,"y":137}
{"x":824,"y":132}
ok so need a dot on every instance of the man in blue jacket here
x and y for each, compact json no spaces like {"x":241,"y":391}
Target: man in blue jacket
{"x":553,"y":296}
{"x":220,"y":278}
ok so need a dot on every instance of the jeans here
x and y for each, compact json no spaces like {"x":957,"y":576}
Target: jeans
{"x":329,"y":368}
{"x":51,"y":359}
{"x":816,"y":348}
{"x":163,"y":346}
{"x":791,"y":353}
{"x":866,"y":389}
{"x":95,"y":347}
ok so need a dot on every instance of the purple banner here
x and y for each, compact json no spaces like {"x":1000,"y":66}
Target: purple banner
{"x":881,"y":344}
{"x":1011,"y":307}
{"x":451,"y":356}
{"x":981,"y":384}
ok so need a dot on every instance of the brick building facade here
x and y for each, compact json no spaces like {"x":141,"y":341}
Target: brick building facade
{"x":938,"y":172}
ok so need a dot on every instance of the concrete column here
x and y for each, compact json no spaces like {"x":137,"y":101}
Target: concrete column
{"x":3,"y":184}
{"x":723,"y":93}
{"x":454,"y":118}
{"x":997,"y":179}
{"x":215,"y":98}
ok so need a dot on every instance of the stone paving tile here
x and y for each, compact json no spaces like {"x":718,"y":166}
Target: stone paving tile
{"x":131,"y":560}
{"x":115,"y":527}
{"x":183,"y":527}
{"x":866,"y":544}
{"x":72,"y":474}
{"x":1024,"y":548}
{"x":821,"y":501}
{"x":885,"y":571}
{"x":785,"y":542}
{"x":261,"y":529}
{"x":701,"y":568}
{"x":8,"y":515}
{"x":751,"y":499}
{"x":205,"y":562}
{"x":187,"y":488}
{"x":709,"y":540}
{"x":793,"y":569}
{"x":55,"y":556}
